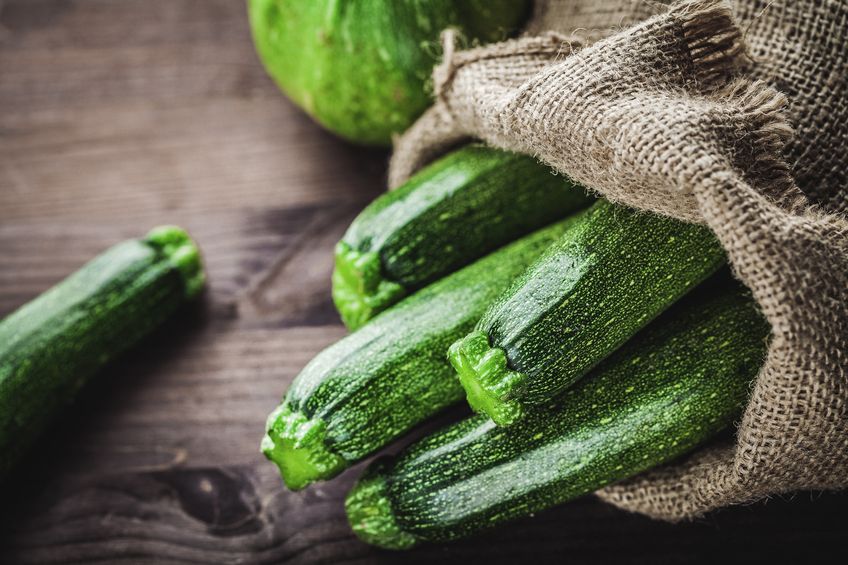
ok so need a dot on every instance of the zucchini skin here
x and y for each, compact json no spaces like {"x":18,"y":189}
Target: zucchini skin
{"x":456,"y":210}
{"x":679,"y":382}
{"x":369,"y":388}
{"x":52,"y":345}
{"x":614,"y":271}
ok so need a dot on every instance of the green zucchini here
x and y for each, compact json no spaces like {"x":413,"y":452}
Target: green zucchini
{"x":682,"y":380}
{"x":50,"y":346}
{"x":459,"y":208}
{"x":361,"y":67}
{"x":375,"y":384}
{"x":613,"y":272}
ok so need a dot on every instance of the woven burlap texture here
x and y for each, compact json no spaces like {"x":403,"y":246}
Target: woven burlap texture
{"x":735,"y":116}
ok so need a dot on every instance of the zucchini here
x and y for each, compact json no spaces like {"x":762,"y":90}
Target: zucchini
{"x":613,"y":272}
{"x":459,"y":208}
{"x":359,"y":394}
{"x":361,"y":67}
{"x":678,"y":383}
{"x":50,"y":346}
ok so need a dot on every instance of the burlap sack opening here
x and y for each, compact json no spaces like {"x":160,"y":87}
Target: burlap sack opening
{"x":735,"y":116}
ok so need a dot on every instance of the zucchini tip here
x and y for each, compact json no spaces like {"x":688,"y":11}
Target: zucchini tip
{"x":370,"y":514}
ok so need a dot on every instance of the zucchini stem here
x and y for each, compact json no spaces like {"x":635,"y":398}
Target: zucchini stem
{"x":298,"y":446}
{"x":360,"y":291}
{"x":488,"y":382}
{"x":180,"y":250}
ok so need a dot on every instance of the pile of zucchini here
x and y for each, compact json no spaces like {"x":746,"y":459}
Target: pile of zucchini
{"x":566,"y":322}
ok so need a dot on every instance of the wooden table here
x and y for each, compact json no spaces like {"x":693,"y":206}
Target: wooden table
{"x":116,"y":116}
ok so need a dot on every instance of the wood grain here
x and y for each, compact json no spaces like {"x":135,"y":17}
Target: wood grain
{"x":116,"y":116}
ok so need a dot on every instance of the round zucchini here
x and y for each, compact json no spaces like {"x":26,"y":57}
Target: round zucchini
{"x":360,"y":67}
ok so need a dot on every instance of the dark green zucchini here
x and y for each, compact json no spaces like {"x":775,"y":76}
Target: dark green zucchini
{"x":51,"y":346}
{"x":375,"y":384}
{"x":456,"y":210}
{"x":613,"y":272}
{"x":672,"y":387}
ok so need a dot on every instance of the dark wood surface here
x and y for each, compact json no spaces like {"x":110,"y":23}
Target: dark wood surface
{"x":116,"y":116}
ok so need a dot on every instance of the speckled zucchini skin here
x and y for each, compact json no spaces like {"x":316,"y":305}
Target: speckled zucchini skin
{"x":676,"y":384}
{"x":375,"y":384}
{"x":52,"y":345}
{"x":614,"y":271}
{"x":361,"y":67}
{"x":454,"y":211}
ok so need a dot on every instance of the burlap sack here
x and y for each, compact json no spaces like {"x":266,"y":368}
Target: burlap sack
{"x":734,"y":116}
